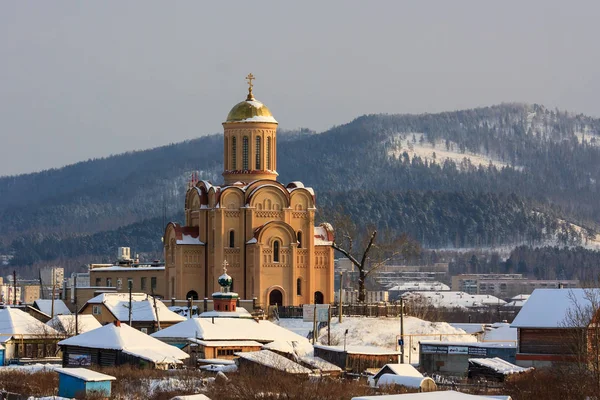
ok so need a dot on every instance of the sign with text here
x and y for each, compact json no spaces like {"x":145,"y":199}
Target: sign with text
{"x":458,"y":350}
{"x":308,"y":312}
{"x":477,"y":351}
{"x":432,"y":349}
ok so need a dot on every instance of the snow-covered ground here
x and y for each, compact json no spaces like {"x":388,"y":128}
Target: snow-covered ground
{"x":421,"y":147}
{"x":382,"y":332}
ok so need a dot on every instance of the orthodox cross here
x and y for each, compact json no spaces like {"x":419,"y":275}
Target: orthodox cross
{"x":225,"y":263}
{"x":250,"y":78}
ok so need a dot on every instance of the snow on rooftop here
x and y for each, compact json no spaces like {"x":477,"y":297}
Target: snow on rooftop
{"x":402,"y":369}
{"x":233,"y":329}
{"x":420,"y":286}
{"x":85,"y":374}
{"x":259,"y":118}
{"x":129,"y":341}
{"x":486,"y":345}
{"x":321,"y":236}
{"x":499,"y":365}
{"x":499,"y":332}
{"x":45,"y":306}
{"x":16,"y":322}
{"x":549,"y":308}
{"x":66,"y":323}
{"x":517,"y":301}
{"x":439,"y":395}
{"x":454,"y":299}
{"x":240,"y":312}
{"x":121,"y":268}
{"x":225,"y":343}
{"x":472,"y":328}
{"x":320,"y":364}
{"x":142,"y":307}
{"x":188,"y":239}
{"x":273,"y":360}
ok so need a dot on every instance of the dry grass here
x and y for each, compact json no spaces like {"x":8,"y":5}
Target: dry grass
{"x":42,"y":383}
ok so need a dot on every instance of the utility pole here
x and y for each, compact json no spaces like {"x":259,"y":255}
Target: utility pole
{"x":340,"y":299}
{"x":329,"y":326}
{"x":14,"y":287}
{"x":53,"y":288}
{"x":76,"y":308}
{"x":314,"y":324}
{"x":402,"y":329}
{"x":155,"y":308}
{"x":130,"y":287}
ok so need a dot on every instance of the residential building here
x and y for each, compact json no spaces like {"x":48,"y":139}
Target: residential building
{"x":147,"y":313}
{"x":505,"y":285}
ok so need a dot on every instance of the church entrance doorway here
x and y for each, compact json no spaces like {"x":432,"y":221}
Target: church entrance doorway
{"x":192,"y":294}
{"x":275,"y":298}
{"x":318,"y":298}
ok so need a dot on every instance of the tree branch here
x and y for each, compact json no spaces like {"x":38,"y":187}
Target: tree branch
{"x":381,"y":263}
{"x":347,"y":254}
{"x":364,"y":257}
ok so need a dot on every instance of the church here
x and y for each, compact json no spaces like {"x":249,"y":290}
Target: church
{"x":261,"y":229}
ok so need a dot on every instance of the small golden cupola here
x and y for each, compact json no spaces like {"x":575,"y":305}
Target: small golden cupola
{"x":250,"y":143}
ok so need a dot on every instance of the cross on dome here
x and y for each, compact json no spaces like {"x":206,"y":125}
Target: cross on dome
{"x":250,"y":78}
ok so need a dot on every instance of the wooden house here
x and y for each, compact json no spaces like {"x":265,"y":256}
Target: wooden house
{"x":26,"y":338}
{"x":146,"y":312}
{"x":357,"y":359}
{"x":556,"y":325}
{"x":269,"y":362}
{"x":119,"y":344}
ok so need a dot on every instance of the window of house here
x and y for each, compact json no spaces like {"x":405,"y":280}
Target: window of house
{"x":257,"y":161}
{"x":98,"y":281}
{"x":299,"y":287}
{"x":96,"y":310}
{"x":109,"y":282}
{"x":130,"y":283}
{"x":119,"y":283}
{"x":299,"y":239}
{"x":231,"y":239}
{"x":245,"y":153}
{"x":276,"y":251}
{"x":233,"y":153}
{"x":144,"y":330}
{"x":153,"y":283}
{"x":143,"y":282}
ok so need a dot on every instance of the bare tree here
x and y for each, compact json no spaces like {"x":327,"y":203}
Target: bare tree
{"x":372,"y":255}
{"x":582,"y":320}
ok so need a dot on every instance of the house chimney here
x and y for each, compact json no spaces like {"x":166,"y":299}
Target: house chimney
{"x":117,"y":323}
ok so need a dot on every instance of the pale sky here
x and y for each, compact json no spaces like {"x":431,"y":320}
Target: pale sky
{"x":88,"y":79}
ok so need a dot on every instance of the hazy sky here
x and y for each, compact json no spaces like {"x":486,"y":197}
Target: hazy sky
{"x":89,"y":79}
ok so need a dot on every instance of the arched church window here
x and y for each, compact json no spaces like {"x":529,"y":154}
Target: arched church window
{"x":269,"y":153}
{"x":257,"y":161}
{"x":245,"y":153}
{"x":233,"y":153}
{"x":299,"y":239}
{"x":231,"y":239}
{"x":299,"y":287}
{"x":276,"y":251}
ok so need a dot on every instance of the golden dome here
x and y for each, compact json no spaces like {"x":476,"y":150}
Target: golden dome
{"x":250,"y":110}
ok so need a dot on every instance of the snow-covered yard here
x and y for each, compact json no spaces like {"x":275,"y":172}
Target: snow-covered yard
{"x":382,"y":332}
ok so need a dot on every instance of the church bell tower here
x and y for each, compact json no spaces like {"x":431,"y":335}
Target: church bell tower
{"x":250,"y":145}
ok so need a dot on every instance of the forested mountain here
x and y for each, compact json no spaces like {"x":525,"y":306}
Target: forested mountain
{"x":507,"y":174}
